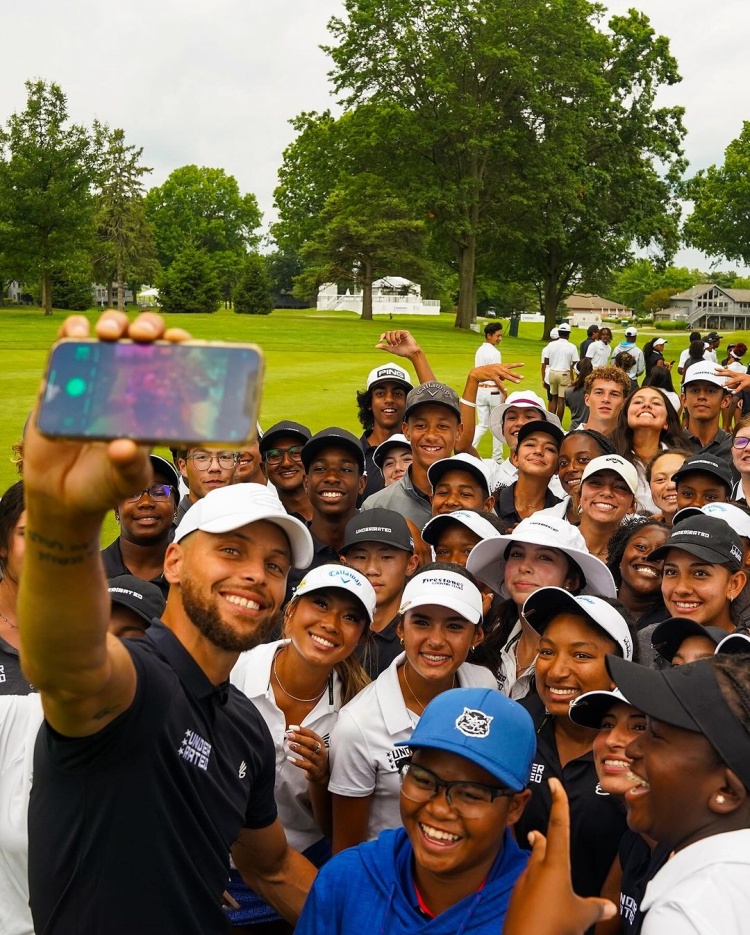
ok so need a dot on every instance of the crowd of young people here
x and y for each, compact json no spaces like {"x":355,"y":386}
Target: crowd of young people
{"x":337,"y":681}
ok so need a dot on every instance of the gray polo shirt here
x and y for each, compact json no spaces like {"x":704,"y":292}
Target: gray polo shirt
{"x":404,"y":498}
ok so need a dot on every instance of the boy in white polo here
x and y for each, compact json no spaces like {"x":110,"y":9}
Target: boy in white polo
{"x":560,"y":356}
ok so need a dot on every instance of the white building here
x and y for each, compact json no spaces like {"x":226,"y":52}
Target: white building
{"x":392,"y":295}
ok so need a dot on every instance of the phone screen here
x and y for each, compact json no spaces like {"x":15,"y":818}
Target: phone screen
{"x":160,"y":392}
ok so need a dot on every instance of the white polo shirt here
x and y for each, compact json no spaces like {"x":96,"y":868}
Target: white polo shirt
{"x":487,"y":354}
{"x":364,"y":758}
{"x":702,"y":890}
{"x":561,"y":354}
{"x":252,"y":675}
{"x":20,"y":719}
{"x":598,"y":353}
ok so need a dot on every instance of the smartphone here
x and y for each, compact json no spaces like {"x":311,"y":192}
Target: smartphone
{"x":178,"y":395}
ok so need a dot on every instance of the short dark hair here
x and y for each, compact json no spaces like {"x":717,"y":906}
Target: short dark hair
{"x":492,"y":327}
{"x":592,"y":329}
{"x":11,"y":508}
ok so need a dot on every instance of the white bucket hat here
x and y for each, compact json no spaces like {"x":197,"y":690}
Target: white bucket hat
{"x":521,"y":399}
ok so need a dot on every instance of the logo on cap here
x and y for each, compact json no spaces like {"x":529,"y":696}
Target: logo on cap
{"x":735,"y":553}
{"x":389,"y":372}
{"x":344,"y":575}
{"x":473,"y":723}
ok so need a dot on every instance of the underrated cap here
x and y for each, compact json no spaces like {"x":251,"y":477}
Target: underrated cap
{"x":541,"y":425}
{"x":432,"y":392}
{"x":544,"y":605}
{"x":228,"y":508}
{"x":631,"y":332}
{"x":668,"y":636}
{"x":705,"y":371}
{"x":342,"y":578}
{"x":613,"y":463}
{"x":688,"y":697}
{"x":333,"y":437}
{"x":378,"y":525}
{"x":564,"y":328}
{"x":445,"y":588}
{"x":706,"y":464}
{"x":387,"y":372}
{"x":165,"y":469}
{"x":488,"y":559}
{"x":706,"y":537}
{"x":483,"y":726}
{"x":386,"y":447}
{"x":285,"y":429}
{"x":589,"y":709}
{"x":142,"y":597}
{"x":472,"y":520}
{"x":460,"y":462}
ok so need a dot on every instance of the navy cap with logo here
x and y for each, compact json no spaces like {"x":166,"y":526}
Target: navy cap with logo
{"x":435,"y":393}
{"x":332,"y":437}
{"x":142,"y":597}
{"x":669,"y":635}
{"x":483,"y":726}
{"x":544,"y":426}
{"x":284,"y":429}
{"x":706,"y":464}
{"x":378,"y":525}
{"x":706,"y":537}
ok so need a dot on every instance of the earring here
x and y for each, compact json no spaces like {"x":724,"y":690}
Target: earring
{"x":401,"y":640}
{"x":731,"y":598}
{"x":580,"y":509}
{"x":720,"y":800}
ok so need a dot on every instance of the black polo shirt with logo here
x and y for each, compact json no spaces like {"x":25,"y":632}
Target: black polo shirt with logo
{"x":130,"y":828}
{"x":597,"y":820}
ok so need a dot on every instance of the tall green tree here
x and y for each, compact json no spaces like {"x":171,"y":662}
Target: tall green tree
{"x":189,"y":284}
{"x":47,"y":170}
{"x":253,"y":295}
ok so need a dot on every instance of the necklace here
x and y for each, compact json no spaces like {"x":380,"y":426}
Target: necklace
{"x":13,"y":625}
{"x":289,"y":694}
{"x":411,"y":690}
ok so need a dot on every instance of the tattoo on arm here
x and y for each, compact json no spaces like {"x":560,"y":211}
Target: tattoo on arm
{"x":60,"y":553}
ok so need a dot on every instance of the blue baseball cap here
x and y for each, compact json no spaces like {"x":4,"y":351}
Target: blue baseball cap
{"x":483,"y":726}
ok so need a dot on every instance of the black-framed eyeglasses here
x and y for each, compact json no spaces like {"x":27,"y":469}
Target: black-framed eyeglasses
{"x":276,"y":455}
{"x":467,"y":798}
{"x":203,"y":461}
{"x":155,"y":492}
{"x":741,"y":441}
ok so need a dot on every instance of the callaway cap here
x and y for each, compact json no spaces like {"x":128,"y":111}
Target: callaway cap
{"x":386,"y":447}
{"x":483,"y":726}
{"x":544,"y":605}
{"x":229,"y":508}
{"x":389,"y":372}
{"x":613,"y":463}
{"x":471,"y":519}
{"x":589,"y":709}
{"x":344,"y":579}
{"x":378,"y":525}
{"x":706,"y":464}
{"x":706,"y":372}
{"x":688,"y":697}
{"x":162,"y":467}
{"x":541,"y":425}
{"x":669,"y":635}
{"x":460,"y":462}
{"x":142,"y":597}
{"x":432,"y":392}
{"x":708,"y":538}
{"x":521,"y":399}
{"x":333,"y":437}
{"x":285,"y":429}
{"x":446,"y":589}
{"x":488,"y":559}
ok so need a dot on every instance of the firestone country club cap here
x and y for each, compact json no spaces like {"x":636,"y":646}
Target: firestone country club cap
{"x":706,"y":464}
{"x":445,"y":588}
{"x":386,"y":447}
{"x":378,"y":525}
{"x":564,"y":328}
{"x":483,"y":726}
{"x":460,"y":462}
{"x":162,"y":467}
{"x":488,"y":559}
{"x":432,"y":392}
{"x":631,"y":332}
{"x":229,"y":508}
{"x":706,"y":537}
{"x":521,"y":399}
{"x":472,"y":520}
{"x":589,"y":709}
{"x":705,"y":371}
{"x":142,"y":597}
{"x":388,"y":372}
{"x":285,"y":429}
{"x":688,"y":697}
{"x":613,"y":463}
{"x":669,"y":635}
{"x":342,"y":578}
{"x":541,"y":425}
{"x":547,"y":603}
{"x":333,"y":437}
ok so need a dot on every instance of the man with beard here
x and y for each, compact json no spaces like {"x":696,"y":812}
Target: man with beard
{"x":150,"y":767}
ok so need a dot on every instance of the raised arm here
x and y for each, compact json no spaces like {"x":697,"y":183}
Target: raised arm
{"x":497,"y":373}
{"x":403,"y":344}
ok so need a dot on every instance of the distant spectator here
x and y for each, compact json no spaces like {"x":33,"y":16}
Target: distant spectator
{"x":574,"y":395}
{"x":592,"y":334}
{"x":694,"y":336}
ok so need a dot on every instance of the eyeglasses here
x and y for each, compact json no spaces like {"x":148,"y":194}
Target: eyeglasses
{"x":742,"y":441}
{"x":203,"y":461}
{"x":156,"y":492}
{"x":276,"y":455}
{"x":465,"y":798}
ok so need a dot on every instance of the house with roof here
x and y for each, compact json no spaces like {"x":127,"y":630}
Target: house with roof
{"x":714,"y":308}
{"x":584,"y":309}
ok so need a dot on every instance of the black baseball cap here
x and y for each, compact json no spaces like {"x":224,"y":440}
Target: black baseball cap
{"x":688,"y":697}
{"x":332,"y":437}
{"x":706,"y":537}
{"x":142,"y":597}
{"x":669,"y":635}
{"x":712,"y":336}
{"x":706,"y":464}
{"x":378,"y":525}
{"x":541,"y":425}
{"x":432,"y":392}
{"x":460,"y":462}
{"x":284,"y":430}
{"x":162,"y":467}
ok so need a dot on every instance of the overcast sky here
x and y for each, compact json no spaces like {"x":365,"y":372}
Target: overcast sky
{"x":215,"y":83}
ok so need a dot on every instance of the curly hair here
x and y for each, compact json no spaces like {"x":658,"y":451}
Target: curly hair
{"x":620,"y":540}
{"x":624,"y":361}
{"x":611,"y":375}
{"x":364,"y":410}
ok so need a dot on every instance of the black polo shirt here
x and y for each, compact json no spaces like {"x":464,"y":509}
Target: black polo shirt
{"x":323,"y":554}
{"x":505,"y":503}
{"x":597,"y":820}
{"x":375,"y":480}
{"x":115,"y":566}
{"x":12,"y":679}
{"x":382,"y":648}
{"x":639,"y":866}
{"x":130,"y":828}
{"x":720,"y":447}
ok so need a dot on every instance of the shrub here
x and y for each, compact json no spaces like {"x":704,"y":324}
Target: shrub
{"x":189,"y":284}
{"x":252,"y":294}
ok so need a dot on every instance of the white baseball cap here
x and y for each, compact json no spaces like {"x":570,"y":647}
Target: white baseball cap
{"x":233,"y":507}
{"x":473,"y":521}
{"x":706,"y":371}
{"x":547,"y":603}
{"x":738,"y":519}
{"x":615,"y":463}
{"x":389,"y":371}
{"x":564,"y":328}
{"x":342,"y":578}
{"x":459,"y":462}
{"x":446,"y":589}
{"x":521,"y":399}
{"x":554,"y":333}
{"x":658,"y":341}
{"x":631,"y":332}
{"x":487,"y":559}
